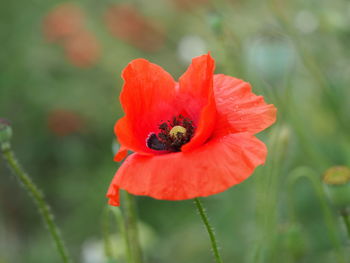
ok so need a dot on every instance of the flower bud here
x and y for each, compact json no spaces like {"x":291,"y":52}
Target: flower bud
{"x":5,"y":134}
{"x":337,"y":183}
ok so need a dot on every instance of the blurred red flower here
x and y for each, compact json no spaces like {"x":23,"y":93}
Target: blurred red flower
{"x":124,"y":21}
{"x":65,"y":24}
{"x":192,"y":138}
{"x":63,"y":21}
{"x":82,"y":49}
{"x":64,"y":122}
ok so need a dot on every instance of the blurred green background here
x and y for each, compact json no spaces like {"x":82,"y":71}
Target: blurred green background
{"x":61,"y":93}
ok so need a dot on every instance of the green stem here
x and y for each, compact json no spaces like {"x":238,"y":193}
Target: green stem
{"x":106,"y":236}
{"x":121,"y":224}
{"x":132,"y":228}
{"x":277,"y":7}
{"x":115,"y":211}
{"x":346,"y":217}
{"x":304,"y":172}
{"x":38,"y":197}
{"x":210,"y":230}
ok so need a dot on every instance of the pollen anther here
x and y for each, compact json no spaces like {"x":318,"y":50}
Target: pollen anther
{"x":172,"y":134}
{"x":176,"y":130}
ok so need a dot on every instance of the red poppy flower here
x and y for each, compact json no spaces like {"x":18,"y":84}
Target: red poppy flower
{"x":63,"y":21}
{"x":63,"y":122}
{"x":192,"y":138}
{"x":82,"y":49}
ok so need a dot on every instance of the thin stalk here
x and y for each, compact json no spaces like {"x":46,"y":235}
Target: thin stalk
{"x":277,"y":7}
{"x":209,"y":228}
{"x":346,"y":217}
{"x":132,"y":228}
{"x":38,"y":197}
{"x":268,"y":196}
{"x":304,"y":172}
{"x":121,"y":224}
{"x":107,"y":243}
{"x":115,"y":211}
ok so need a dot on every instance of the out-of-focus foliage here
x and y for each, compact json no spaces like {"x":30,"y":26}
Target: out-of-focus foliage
{"x":59,"y":86}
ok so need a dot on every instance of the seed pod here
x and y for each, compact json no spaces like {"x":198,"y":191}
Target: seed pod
{"x":337,"y":184}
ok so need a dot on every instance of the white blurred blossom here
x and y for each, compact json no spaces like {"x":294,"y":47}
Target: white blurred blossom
{"x":306,"y":22}
{"x":115,"y":146}
{"x":93,"y":252}
{"x":191,"y":46}
{"x":270,"y":57}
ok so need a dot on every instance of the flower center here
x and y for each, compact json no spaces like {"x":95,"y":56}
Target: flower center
{"x":173,"y":134}
{"x":177,"y":131}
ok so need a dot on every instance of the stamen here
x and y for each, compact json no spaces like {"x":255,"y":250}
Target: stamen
{"x":173,"y":134}
{"x":177,"y":130}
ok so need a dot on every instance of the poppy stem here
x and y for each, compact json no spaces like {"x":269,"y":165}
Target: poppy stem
{"x":132,"y":228}
{"x":346,"y":217}
{"x":209,"y":228}
{"x":38,"y":197}
{"x":116,"y":213}
{"x":312,"y":176}
{"x":107,"y":243}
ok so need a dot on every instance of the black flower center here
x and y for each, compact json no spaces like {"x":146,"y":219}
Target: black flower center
{"x":173,"y":134}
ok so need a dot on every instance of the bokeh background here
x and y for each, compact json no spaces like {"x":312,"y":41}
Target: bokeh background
{"x":60,"y":65}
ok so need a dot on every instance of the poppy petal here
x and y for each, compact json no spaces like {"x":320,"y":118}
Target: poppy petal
{"x":113,"y":195}
{"x":148,"y":96}
{"x":196,"y":92}
{"x":239,"y":109}
{"x":121,"y":154}
{"x":209,"y":169}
